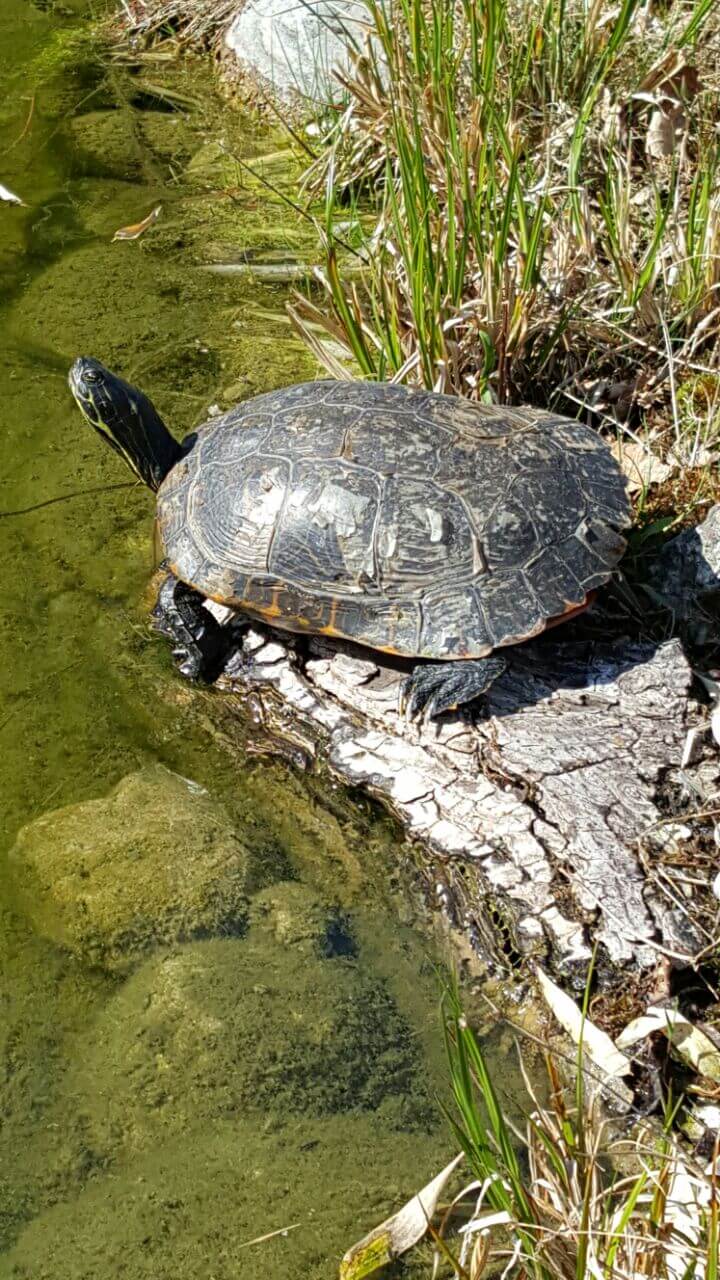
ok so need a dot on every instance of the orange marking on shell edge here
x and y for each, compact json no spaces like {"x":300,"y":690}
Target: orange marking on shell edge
{"x":544,"y":625}
{"x":377,"y":648}
{"x":571,"y":611}
{"x":234,"y":602}
{"x":272,"y":610}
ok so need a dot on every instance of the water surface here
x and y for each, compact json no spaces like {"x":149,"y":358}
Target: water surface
{"x":154,"y":1121}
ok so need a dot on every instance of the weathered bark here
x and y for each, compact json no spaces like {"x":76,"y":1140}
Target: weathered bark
{"x":685,"y":578}
{"x":535,"y":804}
{"x":546,"y":812}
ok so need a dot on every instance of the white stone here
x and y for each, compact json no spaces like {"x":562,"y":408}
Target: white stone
{"x":531,"y":927}
{"x":296,"y":47}
{"x":421,"y":814}
{"x":570,"y":934}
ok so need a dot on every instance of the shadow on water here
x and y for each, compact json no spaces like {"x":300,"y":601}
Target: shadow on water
{"x":156,"y":1117}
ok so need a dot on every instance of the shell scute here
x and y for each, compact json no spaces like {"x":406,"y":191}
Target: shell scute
{"x":552,"y":579}
{"x":608,"y":502}
{"x":453,"y":623}
{"x":510,"y":537}
{"x":237,"y":537}
{"x":311,"y":432}
{"x":303,"y":396}
{"x":553,"y":501}
{"x":424,"y":537}
{"x":392,"y":443}
{"x":365,"y":395}
{"x":510,"y":608}
{"x":469,"y":422}
{"x":325,"y":534}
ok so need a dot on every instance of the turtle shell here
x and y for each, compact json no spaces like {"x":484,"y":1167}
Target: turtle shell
{"x":411,"y":522}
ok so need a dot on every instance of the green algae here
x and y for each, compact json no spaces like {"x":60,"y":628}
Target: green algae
{"x":44,"y":1000}
{"x":193,"y":1207}
{"x":235,"y":1027}
{"x":144,"y":309}
{"x":156,"y":861}
{"x":264,"y":1119}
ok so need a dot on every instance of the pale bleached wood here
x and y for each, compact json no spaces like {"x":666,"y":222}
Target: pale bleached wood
{"x":539,"y":801}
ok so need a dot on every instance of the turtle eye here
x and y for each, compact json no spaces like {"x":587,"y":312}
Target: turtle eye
{"x":92,"y":375}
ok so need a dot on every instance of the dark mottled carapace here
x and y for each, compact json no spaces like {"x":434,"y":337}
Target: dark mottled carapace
{"x":403,"y":520}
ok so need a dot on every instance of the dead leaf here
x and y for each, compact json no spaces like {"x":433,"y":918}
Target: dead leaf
{"x":9,"y":196}
{"x":135,"y":230}
{"x":665,"y":131}
{"x":689,"y":1042}
{"x":485,"y":1221}
{"x":671,"y":74}
{"x":670,"y":86}
{"x":616,"y":119}
{"x":687,"y":1197}
{"x":641,"y":466}
{"x":715,"y":725}
{"x":695,"y":456}
{"x":600,"y":1049}
{"x":397,"y":1234}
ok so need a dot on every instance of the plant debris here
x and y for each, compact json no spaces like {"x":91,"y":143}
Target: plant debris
{"x":689,"y":1041}
{"x":611,"y":1063}
{"x":399,"y":1233}
{"x":137,"y":229}
{"x":9,"y":196}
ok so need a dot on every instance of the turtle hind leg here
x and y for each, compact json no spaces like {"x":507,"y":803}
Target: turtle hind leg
{"x":200,"y":645}
{"x":434,"y":688}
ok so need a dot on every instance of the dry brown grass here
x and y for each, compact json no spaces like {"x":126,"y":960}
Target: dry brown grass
{"x":193,"y":22}
{"x":562,"y":1198}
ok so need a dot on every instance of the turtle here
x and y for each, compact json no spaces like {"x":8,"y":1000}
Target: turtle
{"x":412,"y":523}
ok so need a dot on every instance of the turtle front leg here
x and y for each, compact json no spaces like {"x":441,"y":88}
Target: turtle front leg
{"x":200,"y":645}
{"x":436,"y":687}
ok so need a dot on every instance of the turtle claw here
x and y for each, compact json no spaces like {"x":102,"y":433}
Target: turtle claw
{"x":436,"y":688}
{"x":188,"y":665}
{"x":418,"y":690}
{"x":201,"y":644}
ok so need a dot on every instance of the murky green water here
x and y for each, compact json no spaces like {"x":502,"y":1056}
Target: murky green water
{"x":156,"y":1118}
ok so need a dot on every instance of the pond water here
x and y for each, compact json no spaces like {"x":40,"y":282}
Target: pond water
{"x":158,"y":1115}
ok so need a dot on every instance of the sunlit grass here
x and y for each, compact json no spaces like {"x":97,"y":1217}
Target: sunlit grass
{"x":562,"y":1198}
{"x":543,"y":179}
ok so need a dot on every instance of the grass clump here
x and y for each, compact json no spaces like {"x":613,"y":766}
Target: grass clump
{"x":534,"y":194}
{"x":560,"y":1200}
{"x":197,"y":23}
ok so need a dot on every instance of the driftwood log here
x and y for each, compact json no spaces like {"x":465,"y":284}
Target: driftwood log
{"x":544,"y":812}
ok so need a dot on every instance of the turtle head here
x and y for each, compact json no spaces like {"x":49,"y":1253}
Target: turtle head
{"x":126,"y":419}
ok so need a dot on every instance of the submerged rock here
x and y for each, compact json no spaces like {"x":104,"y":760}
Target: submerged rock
{"x":168,"y":135}
{"x":227,"y":1028}
{"x":192,"y":1208}
{"x":106,"y":144}
{"x":155,"y":861}
{"x":293,"y":917}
